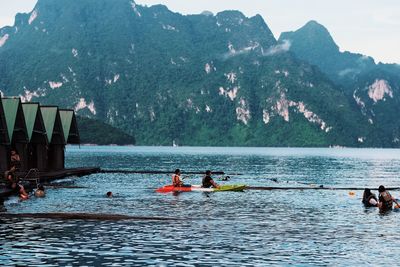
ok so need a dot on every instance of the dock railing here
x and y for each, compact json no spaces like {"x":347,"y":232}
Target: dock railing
{"x":32,"y":176}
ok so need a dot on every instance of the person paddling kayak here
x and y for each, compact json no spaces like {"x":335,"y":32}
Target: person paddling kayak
{"x":369,"y":199}
{"x":208,"y":181}
{"x":177,"y":181}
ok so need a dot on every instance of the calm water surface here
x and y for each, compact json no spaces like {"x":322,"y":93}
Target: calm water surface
{"x":251,"y":228}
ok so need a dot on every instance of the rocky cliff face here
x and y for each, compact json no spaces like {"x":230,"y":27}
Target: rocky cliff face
{"x":373,"y":87}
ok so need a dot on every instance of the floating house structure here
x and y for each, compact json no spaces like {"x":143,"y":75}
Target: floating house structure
{"x":38,"y":133}
{"x":70,"y":126}
{"x":37,"y":137}
{"x":16,"y":129}
{"x":55,"y":135}
{"x":4,"y":140}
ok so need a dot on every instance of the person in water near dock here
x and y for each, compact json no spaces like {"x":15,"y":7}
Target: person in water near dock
{"x":12,"y":182}
{"x":40,"y":191}
{"x":2,"y":207}
{"x":177,"y":180}
{"x":109,"y":194}
{"x":385,"y":199}
{"x":369,"y":199}
{"x":208,"y":181}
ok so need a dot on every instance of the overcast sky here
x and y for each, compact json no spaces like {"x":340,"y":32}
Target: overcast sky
{"x":370,"y":27}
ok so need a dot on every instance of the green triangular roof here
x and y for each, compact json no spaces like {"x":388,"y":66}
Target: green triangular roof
{"x":4,"y":138}
{"x":15,"y":121}
{"x":66,"y":120}
{"x":49,"y":117}
{"x":34,"y":123}
{"x":10,"y":106}
{"x":30,"y":113}
{"x":52,"y":123}
{"x":69,"y":125}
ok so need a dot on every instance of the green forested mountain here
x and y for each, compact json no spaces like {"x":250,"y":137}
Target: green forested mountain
{"x":96,"y":132}
{"x":313,"y":43}
{"x":373,"y":87}
{"x":194,"y":80}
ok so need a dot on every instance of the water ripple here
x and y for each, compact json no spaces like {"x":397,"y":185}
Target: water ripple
{"x":251,"y":228}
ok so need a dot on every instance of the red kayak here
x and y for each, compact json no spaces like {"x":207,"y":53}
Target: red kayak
{"x":171,"y":188}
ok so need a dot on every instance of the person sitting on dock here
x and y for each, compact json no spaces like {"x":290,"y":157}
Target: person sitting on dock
{"x":208,"y":181}
{"x":369,"y":199}
{"x":12,"y":183}
{"x":176,"y":179}
{"x":385,"y":199}
{"x":15,"y":159}
{"x":40,"y":191}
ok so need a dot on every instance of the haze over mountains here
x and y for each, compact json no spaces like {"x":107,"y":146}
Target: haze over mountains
{"x":199,"y":79}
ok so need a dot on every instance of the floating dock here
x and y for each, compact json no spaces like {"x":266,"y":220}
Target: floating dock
{"x":48,"y":176}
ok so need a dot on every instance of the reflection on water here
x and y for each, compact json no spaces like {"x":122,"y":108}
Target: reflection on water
{"x":251,"y":228}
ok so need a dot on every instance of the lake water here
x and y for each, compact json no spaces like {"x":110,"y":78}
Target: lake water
{"x":250,"y":228}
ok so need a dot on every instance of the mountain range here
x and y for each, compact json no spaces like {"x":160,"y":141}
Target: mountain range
{"x":201,"y":79}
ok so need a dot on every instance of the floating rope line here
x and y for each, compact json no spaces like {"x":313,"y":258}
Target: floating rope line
{"x":321,"y":187}
{"x":52,"y":186}
{"x":84,"y":216}
{"x":158,"y":172}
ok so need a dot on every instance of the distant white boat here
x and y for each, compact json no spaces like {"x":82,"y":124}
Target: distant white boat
{"x":174,"y":144}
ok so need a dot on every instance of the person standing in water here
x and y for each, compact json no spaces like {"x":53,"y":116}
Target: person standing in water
{"x":385,"y":199}
{"x":39,"y":192}
{"x":369,"y":199}
{"x":208,"y":181}
{"x":2,"y":207}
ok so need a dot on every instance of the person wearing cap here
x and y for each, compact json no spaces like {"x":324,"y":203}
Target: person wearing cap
{"x":208,"y":181}
{"x":385,"y":199}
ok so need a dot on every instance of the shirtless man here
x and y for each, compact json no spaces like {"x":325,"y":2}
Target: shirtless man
{"x":208,"y":181}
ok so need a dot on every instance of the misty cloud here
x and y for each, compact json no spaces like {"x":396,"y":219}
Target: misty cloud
{"x":233,"y":52}
{"x":277,"y":49}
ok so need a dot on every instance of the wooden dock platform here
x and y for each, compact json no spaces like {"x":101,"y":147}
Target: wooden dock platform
{"x":45,"y":177}
{"x":54,"y":175}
